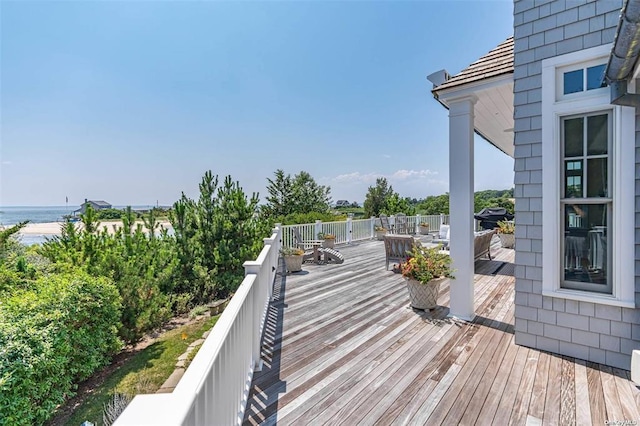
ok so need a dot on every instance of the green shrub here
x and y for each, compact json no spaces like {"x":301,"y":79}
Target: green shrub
{"x":140,"y":265}
{"x":109,"y":214}
{"x":198,"y":310}
{"x":51,"y":337}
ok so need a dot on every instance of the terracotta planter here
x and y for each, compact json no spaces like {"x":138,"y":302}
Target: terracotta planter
{"x":424,"y":296}
{"x":507,"y":240}
{"x":329,"y":243}
{"x":293,"y":262}
{"x":380,"y":235}
{"x":424,"y":230}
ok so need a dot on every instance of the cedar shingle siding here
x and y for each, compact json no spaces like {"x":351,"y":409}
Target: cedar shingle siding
{"x":594,"y":332}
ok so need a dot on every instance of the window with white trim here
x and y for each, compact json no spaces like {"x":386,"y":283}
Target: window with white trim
{"x":585,"y":202}
{"x":581,"y":79}
{"x":588,"y":157}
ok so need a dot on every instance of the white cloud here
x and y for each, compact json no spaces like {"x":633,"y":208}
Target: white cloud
{"x":399,"y":175}
{"x":355,"y":177}
{"x":408,"y":174}
{"x":6,"y":162}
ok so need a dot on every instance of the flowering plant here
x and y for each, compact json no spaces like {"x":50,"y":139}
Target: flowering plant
{"x":291,"y":251}
{"x":506,"y":227}
{"x":325,"y":236}
{"x":379,"y":228}
{"x":426,"y":264}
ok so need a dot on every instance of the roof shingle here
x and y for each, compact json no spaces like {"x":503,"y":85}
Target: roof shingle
{"x":497,"y":62}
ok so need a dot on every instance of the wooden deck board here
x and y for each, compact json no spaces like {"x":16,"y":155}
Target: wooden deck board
{"x":342,"y":346}
{"x":567,"y":392}
{"x":596,"y":395}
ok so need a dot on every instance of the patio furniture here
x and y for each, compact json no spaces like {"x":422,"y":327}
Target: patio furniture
{"x":397,"y":247}
{"x":490,"y":216}
{"x":311,"y":248}
{"x":482,"y":244}
{"x":442,"y":237}
{"x":384,"y":220}
{"x":332,"y":255}
{"x":402,"y":225}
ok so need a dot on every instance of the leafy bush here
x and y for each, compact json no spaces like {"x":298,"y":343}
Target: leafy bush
{"x":55,"y":335}
{"x":198,"y":310}
{"x":108,"y":214}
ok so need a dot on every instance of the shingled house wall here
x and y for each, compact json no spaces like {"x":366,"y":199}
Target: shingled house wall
{"x":590,"y":331}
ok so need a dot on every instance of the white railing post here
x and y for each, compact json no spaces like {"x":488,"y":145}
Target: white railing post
{"x":441,"y":219}
{"x":349,"y":227}
{"x":253,"y":268}
{"x":317,"y":229}
{"x":373,"y":226}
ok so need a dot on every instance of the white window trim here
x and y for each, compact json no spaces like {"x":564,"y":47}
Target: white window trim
{"x":573,"y":66}
{"x":623,"y":179}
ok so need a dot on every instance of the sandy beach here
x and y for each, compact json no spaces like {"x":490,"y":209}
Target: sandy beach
{"x":53,"y":228}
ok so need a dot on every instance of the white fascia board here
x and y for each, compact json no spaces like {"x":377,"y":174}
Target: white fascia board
{"x":460,"y":92}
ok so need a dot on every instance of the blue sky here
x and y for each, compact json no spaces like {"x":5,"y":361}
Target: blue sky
{"x":132,"y":101}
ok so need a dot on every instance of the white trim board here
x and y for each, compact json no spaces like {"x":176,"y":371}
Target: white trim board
{"x":623,"y":170}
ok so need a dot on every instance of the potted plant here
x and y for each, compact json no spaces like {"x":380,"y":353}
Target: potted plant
{"x":380,"y":232}
{"x":293,"y":257}
{"x":506,"y":233}
{"x":423,"y":228}
{"x":424,"y":271}
{"x":329,"y":240}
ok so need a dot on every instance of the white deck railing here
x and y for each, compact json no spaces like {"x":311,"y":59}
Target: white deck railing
{"x":355,"y":229}
{"x":214,"y":389}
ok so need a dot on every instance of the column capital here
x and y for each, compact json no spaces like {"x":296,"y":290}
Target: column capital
{"x":469,"y":97}
{"x":462,"y":105}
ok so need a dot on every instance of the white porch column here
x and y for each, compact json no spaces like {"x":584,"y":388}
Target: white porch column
{"x":461,"y":205}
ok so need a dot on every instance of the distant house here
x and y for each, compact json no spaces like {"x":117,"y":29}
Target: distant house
{"x":343,"y":203}
{"x":96,"y":205}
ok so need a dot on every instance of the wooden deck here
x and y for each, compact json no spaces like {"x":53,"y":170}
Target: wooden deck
{"x":342,"y":346}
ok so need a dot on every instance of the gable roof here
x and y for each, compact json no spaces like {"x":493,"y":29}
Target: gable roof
{"x":99,"y":203}
{"x":497,"y":62}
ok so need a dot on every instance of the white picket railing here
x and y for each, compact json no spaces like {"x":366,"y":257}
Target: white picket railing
{"x":214,"y":389}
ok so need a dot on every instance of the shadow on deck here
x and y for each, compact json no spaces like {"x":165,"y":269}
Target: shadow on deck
{"x":342,"y":346}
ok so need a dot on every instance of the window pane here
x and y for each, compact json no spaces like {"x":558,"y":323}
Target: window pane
{"x":573,"y":82}
{"x":597,"y":134}
{"x":595,"y":77}
{"x":573,"y":137}
{"x":586,"y":257}
{"x":597,"y":177}
{"x":573,"y":178}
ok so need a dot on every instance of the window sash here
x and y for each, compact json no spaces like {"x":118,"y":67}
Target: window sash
{"x":585,"y":250}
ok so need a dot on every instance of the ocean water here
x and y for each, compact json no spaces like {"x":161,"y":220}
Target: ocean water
{"x":41,"y":214}
{"x":12,"y":215}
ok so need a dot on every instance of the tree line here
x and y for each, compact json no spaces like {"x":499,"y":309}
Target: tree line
{"x":381,"y":198}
